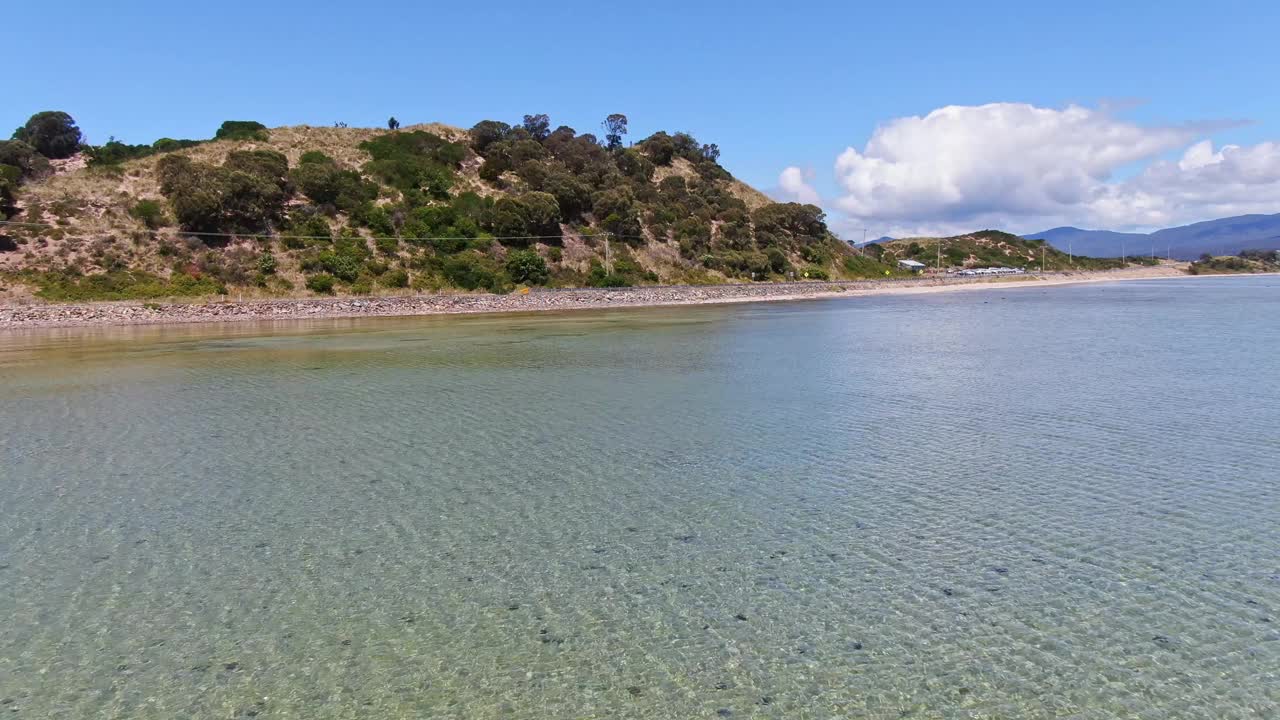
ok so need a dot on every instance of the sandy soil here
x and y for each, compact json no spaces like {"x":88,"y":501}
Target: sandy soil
{"x":32,"y":315}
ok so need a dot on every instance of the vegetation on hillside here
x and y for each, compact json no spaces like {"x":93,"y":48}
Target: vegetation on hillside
{"x":423,"y":207}
{"x":991,"y":248}
{"x":1248,"y":261}
{"x":427,"y":207}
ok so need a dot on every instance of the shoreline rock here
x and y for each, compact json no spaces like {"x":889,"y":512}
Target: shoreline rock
{"x":43,"y":315}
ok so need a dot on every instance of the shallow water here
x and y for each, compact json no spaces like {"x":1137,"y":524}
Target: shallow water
{"x":1001,"y":503}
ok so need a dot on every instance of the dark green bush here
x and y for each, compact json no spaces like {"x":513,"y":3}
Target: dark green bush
{"x":599,"y":278}
{"x":345,"y":260}
{"x":9,"y":177}
{"x":52,"y":133}
{"x":414,"y":161}
{"x":246,"y":194}
{"x":123,"y":285}
{"x":267,"y":264}
{"x":321,"y":283}
{"x":516,"y":220}
{"x":396,"y":278}
{"x":472,"y":270}
{"x":151,"y":213}
{"x":387,"y":245}
{"x":242,"y":130}
{"x":527,"y":267}
{"x":326,"y":184}
{"x":374,"y":217}
{"x":31,"y":164}
{"x":115,"y":152}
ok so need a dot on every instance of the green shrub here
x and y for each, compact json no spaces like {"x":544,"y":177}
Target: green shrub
{"x":778,"y":262}
{"x":9,"y":177}
{"x":602,"y":279}
{"x":246,"y":194}
{"x":342,"y":264}
{"x":516,"y":220}
{"x":374,"y":217}
{"x":151,"y":213}
{"x":31,"y":164}
{"x":321,"y":283}
{"x":415,"y":161}
{"x":242,"y":130}
{"x":307,"y":228}
{"x":527,"y":267}
{"x":394,"y":279}
{"x":387,"y":245}
{"x":473,"y":271}
{"x":70,"y":286}
{"x":267,"y":264}
{"x":169,"y":144}
{"x":115,"y":152}
{"x":325,"y":183}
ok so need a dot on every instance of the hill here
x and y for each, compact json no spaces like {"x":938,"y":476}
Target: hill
{"x":1223,"y":236}
{"x":987,"y":248}
{"x":323,"y":210}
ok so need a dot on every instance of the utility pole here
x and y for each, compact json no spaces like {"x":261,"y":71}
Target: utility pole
{"x":608,"y":260}
{"x":939,"y":254}
{"x":1042,"y":256}
{"x":1071,"y":257}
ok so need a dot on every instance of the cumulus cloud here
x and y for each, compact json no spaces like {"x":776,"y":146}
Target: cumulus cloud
{"x":793,"y":185}
{"x":1021,"y":167}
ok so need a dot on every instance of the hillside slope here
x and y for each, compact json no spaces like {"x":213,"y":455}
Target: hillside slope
{"x":1223,"y":236}
{"x":320,"y":210}
{"x":988,"y":248}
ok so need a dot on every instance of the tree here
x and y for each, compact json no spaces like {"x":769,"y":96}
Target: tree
{"x":711,"y":152}
{"x":538,"y":126}
{"x":516,"y":219}
{"x":326,"y":184}
{"x":528,"y":267}
{"x":52,"y":133}
{"x":487,"y":132}
{"x":615,"y":126}
{"x":393,"y":123}
{"x":246,"y":194}
{"x":660,"y":147}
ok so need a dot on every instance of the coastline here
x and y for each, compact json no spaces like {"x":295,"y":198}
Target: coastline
{"x":20,"y":316}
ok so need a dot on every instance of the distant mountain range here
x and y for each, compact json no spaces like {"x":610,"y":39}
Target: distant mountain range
{"x":1224,"y":236}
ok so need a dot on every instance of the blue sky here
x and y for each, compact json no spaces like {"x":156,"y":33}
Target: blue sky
{"x":776,"y":85}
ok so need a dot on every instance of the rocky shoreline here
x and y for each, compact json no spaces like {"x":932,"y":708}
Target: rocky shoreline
{"x":38,"y":315}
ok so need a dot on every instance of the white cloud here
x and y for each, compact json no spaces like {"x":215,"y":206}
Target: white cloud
{"x":793,"y":186}
{"x":1023,"y":168}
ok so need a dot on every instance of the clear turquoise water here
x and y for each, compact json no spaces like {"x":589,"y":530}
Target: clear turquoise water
{"x":1003,"y":503}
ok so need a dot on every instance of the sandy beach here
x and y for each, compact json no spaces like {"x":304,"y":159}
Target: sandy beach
{"x":36,"y":314}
